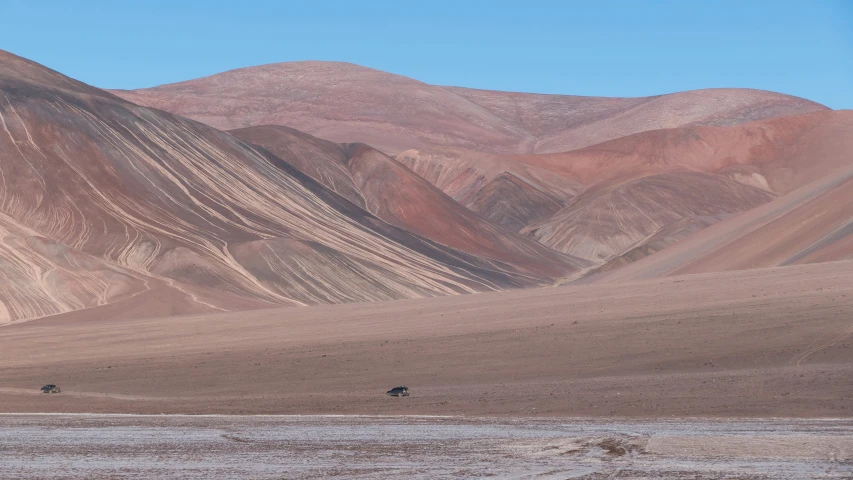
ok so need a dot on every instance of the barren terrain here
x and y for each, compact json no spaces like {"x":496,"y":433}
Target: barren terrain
{"x":764,"y":342}
{"x":350,"y":103}
{"x":813,"y":223}
{"x":125,"y":446}
{"x":633,"y":196}
{"x":578,"y":287}
{"x":103,"y":201}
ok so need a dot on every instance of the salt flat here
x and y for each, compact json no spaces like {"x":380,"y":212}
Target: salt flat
{"x":129,"y":446}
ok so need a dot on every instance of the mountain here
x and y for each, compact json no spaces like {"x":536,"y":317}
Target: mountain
{"x":510,"y":201}
{"x":41,"y":277}
{"x":499,"y":187}
{"x":634,"y":195}
{"x":127,"y":211}
{"x":581,"y":175}
{"x":397,"y":195}
{"x":109,"y":204}
{"x":777,"y":154}
{"x":610,"y":217}
{"x":561,"y":123}
{"x":349,"y":103}
{"x":811,"y":224}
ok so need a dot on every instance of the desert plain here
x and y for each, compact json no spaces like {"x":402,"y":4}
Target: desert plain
{"x":676,"y":378}
{"x":764,"y":342}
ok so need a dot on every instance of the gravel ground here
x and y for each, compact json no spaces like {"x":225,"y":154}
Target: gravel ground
{"x":129,"y":446}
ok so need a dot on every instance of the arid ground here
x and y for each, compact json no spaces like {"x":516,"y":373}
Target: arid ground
{"x":422,"y":447}
{"x":757,"y":343}
{"x":583,"y":287}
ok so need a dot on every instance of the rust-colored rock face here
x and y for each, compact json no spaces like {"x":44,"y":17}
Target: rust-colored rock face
{"x":107,"y":202}
{"x":348,"y":103}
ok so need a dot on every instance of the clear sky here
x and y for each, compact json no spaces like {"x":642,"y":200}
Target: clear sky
{"x":617,"y":48}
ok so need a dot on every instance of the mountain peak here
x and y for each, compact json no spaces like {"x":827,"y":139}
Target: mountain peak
{"x":348,"y":103}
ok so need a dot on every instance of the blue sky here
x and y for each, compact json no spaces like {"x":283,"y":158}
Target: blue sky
{"x":630,"y":48}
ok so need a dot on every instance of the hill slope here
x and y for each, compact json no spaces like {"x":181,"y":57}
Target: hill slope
{"x":777,"y":154}
{"x":610,"y":217}
{"x":605,"y":192}
{"x":209,"y":219}
{"x":498,"y":187}
{"x":348,"y":103}
{"x":400,"y":197}
{"x":809,"y":225}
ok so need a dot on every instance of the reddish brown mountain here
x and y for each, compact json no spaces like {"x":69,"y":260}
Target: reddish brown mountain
{"x":811,"y":224}
{"x":324,"y":161}
{"x":778,"y":154}
{"x":498,"y":187}
{"x":509,"y":200}
{"x":610,"y":217}
{"x":467,"y":143}
{"x":561,"y":123}
{"x":107,"y":204}
{"x":395,"y":194}
{"x":135,"y":211}
{"x":637,"y":196}
{"x":349,"y":103}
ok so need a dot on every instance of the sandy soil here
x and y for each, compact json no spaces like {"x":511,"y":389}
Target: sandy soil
{"x":772,"y":342}
{"x":421,"y":447}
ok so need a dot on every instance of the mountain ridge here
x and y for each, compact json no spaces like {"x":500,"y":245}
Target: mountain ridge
{"x":210,"y":221}
{"x":348,"y":103}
